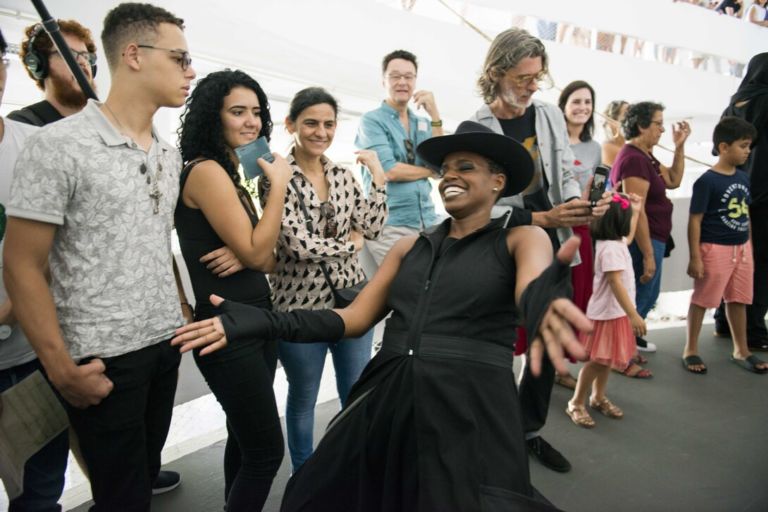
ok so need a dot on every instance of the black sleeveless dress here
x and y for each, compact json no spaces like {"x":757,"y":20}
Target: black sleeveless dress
{"x":434,"y":423}
{"x":196,"y":239}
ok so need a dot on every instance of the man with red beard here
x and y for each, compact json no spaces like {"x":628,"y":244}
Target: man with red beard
{"x":48,"y":69}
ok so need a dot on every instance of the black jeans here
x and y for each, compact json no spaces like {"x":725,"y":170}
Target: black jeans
{"x":122,"y":437}
{"x":241,"y":376}
{"x":756,"y":330}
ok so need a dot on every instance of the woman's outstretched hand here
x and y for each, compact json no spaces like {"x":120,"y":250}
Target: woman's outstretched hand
{"x":208,"y":333}
{"x":555,"y":331}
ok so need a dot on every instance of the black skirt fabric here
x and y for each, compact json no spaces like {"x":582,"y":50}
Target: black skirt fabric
{"x":434,"y":421}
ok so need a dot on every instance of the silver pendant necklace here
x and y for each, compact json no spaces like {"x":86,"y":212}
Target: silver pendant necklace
{"x":155,"y":194}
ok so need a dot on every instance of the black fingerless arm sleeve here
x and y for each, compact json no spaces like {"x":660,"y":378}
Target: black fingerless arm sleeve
{"x":243,"y":322}
{"x":553,"y":283}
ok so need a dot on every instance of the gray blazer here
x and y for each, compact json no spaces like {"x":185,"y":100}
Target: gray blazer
{"x":556,"y":159}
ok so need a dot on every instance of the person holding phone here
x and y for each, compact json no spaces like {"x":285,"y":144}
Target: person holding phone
{"x":577,"y":101}
{"x":228,"y":109}
{"x":326,"y":219}
{"x":515,"y":68}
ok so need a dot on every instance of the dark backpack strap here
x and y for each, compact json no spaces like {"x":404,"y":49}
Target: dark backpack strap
{"x":37,"y":114}
{"x":26,"y":116}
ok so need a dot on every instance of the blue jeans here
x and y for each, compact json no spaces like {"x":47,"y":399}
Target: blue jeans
{"x":646,"y":294}
{"x":44,"y":471}
{"x":303,"y":363}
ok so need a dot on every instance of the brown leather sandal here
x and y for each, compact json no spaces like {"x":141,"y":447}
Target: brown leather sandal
{"x":607,"y":407}
{"x":636,"y":371}
{"x":567,"y":380}
{"x":579,"y":415}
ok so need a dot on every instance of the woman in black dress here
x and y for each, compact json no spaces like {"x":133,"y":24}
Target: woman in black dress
{"x":434,"y":422}
{"x":228,"y":109}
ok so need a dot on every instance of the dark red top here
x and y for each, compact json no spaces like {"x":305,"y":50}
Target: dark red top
{"x":632,"y":162}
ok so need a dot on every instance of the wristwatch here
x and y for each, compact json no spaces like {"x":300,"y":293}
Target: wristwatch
{"x":5,"y":332}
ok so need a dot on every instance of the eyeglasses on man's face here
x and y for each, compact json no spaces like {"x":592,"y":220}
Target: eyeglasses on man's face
{"x":542,"y":80}
{"x":87,"y":56}
{"x":396,"y":77}
{"x":181,"y":56}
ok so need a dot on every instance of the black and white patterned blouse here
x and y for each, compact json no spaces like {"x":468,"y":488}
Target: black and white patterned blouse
{"x":297,"y":281}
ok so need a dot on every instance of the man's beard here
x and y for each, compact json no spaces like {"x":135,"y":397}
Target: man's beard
{"x":512,"y":100}
{"x":67,"y":93}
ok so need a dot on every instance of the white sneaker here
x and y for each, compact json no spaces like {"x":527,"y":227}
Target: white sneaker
{"x":644,"y":345}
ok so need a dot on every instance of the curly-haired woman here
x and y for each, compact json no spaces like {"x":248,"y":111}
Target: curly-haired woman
{"x":228,"y":109}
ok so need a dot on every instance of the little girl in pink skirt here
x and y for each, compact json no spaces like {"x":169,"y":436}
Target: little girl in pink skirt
{"x":611,"y":309}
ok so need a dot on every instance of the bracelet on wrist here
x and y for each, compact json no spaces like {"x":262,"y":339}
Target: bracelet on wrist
{"x":437,"y":124}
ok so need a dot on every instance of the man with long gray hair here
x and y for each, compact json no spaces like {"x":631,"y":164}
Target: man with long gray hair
{"x":515,"y":67}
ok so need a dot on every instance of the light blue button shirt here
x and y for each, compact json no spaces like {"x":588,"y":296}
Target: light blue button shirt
{"x":409,"y":202}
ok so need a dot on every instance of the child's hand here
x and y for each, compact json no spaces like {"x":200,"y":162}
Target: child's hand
{"x":638,"y":324}
{"x":696,"y":268}
{"x":637,"y":203}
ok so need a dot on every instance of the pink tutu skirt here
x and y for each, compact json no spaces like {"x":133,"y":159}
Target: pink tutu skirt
{"x":611,"y":342}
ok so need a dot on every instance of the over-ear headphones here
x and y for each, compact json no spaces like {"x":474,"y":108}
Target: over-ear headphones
{"x":37,"y":63}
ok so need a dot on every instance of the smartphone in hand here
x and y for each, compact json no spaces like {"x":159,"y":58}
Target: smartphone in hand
{"x":249,"y":153}
{"x":598,"y":183}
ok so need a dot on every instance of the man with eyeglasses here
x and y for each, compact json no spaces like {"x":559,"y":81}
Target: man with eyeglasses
{"x":48,"y":69}
{"x":63,"y":97}
{"x":93,"y":198}
{"x":393,"y":131}
{"x":515,"y":67}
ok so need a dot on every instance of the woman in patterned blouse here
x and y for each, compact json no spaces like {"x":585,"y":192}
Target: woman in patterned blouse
{"x":341,"y":218}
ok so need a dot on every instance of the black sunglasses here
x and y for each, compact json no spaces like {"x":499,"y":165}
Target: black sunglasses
{"x":410,"y":155}
{"x":328,"y":212}
{"x":181,"y":56}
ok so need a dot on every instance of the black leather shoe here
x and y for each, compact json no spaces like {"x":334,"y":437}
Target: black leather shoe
{"x":166,"y":481}
{"x":759,"y":345}
{"x":547,"y":455}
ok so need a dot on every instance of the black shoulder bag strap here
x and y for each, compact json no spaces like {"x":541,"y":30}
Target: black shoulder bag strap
{"x":308,"y":223}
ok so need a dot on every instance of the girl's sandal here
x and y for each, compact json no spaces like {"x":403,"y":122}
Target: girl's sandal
{"x":636,"y":371}
{"x":579,"y":415}
{"x":607,"y":407}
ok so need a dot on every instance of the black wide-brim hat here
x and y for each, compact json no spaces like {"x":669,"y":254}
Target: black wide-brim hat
{"x":476,"y":138}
